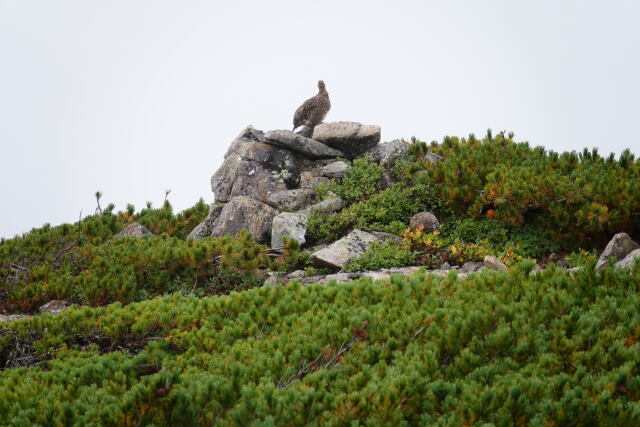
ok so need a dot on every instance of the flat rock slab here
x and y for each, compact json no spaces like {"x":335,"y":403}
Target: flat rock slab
{"x":135,"y":229}
{"x":203,"y":229}
{"x":353,"y":139}
{"x":300,"y":144}
{"x":618,"y":247}
{"x":291,"y":200}
{"x":12,"y":317}
{"x":337,"y":254}
{"x":245,"y":213}
{"x":288,"y":225}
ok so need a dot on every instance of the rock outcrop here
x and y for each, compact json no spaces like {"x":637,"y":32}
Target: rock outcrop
{"x":203,"y":229}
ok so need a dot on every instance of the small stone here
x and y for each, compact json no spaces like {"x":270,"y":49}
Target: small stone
{"x":55,"y":306}
{"x":135,"y":229}
{"x":494,"y":263}
{"x":618,"y":247}
{"x":12,"y":317}
{"x":336,"y":169}
{"x":445,"y":266}
{"x":425,"y":219}
{"x":470,"y":267}
{"x":386,"y":152}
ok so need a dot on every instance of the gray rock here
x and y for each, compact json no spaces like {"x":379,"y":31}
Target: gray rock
{"x":298,"y":274}
{"x":55,"y":306}
{"x":619,"y":247}
{"x":203,"y":229}
{"x":253,"y":168}
{"x":291,"y":200}
{"x":12,"y":317}
{"x":300,"y":144}
{"x":275,"y":278}
{"x":629,"y":260}
{"x":353,"y":139}
{"x":384,"y":237}
{"x":336,"y":169}
{"x":387,"y":151}
{"x":425,"y":219}
{"x":238,"y":177}
{"x":433,"y":157}
{"x":326,"y":206}
{"x":494,"y":263}
{"x":337,"y":254}
{"x":135,"y":229}
{"x":310,"y":180}
{"x":245,"y":213}
{"x":445,"y":266}
{"x":291,"y":225}
{"x":470,"y":267}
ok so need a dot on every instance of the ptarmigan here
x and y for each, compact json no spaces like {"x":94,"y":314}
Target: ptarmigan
{"x":313,"y":110}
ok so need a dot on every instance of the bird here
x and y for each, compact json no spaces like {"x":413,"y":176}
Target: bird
{"x":313,"y":110}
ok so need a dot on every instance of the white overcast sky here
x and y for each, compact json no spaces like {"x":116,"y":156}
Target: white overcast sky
{"x":135,"y":97}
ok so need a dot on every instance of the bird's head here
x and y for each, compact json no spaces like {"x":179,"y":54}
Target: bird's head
{"x":321,"y":85}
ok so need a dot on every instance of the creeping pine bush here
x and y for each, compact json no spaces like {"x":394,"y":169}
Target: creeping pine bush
{"x":570,"y":196}
{"x":509,"y":348}
{"x":82,"y":262}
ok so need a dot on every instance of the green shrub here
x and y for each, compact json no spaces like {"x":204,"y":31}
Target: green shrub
{"x":389,"y":210}
{"x":571,"y":196}
{"x":381,"y":255}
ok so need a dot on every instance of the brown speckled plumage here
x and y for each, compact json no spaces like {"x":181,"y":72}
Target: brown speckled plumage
{"x":313,"y":110}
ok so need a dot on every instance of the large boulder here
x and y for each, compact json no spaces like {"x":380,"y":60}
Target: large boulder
{"x":353,"y":139}
{"x":629,"y":260}
{"x":245,"y":213}
{"x":203,"y":229}
{"x":291,"y":225}
{"x":427,"y":220}
{"x":300,"y":144}
{"x":135,"y":229}
{"x":255,"y":169}
{"x":387,"y":151}
{"x":619,"y":247}
{"x":337,"y":254}
{"x":291,"y":200}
